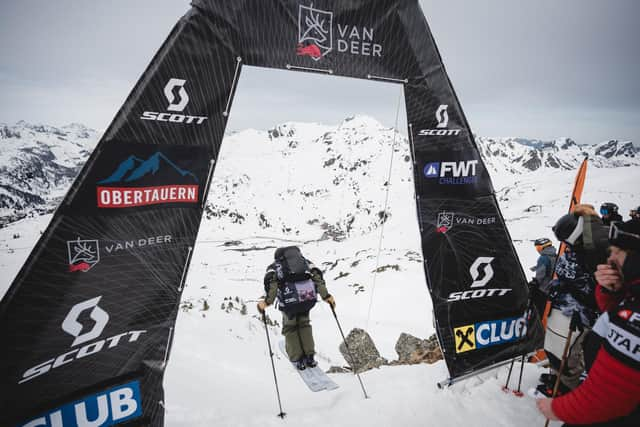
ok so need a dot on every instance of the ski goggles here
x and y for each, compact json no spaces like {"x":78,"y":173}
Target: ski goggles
{"x":623,"y":239}
{"x":604,"y":211}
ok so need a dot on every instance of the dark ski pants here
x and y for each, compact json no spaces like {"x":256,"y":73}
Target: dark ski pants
{"x":298,"y":335}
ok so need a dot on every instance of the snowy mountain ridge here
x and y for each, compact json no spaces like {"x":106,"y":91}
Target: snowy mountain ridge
{"x":323,"y":188}
{"x":39,"y":162}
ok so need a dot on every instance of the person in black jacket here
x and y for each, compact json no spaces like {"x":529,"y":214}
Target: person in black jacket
{"x":609,"y":212}
{"x":295,"y":281}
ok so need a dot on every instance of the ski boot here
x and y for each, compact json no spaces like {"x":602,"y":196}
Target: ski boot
{"x":310,"y":361}
{"x":300,"y":364}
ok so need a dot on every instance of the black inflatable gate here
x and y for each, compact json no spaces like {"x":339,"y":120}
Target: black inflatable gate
{"x":86,"y":326}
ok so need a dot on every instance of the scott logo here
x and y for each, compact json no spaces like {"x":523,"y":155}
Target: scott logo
{"x":452,"y":173}
{"x":174,"y":105}
{"x":106,"y":408}
{"x":314,"y":32}
{"x":442,"y":121}
{"x":168,"y":92}
{"x":83,"y":254}
{"x":474,"y":270}
{"x":481,"y":273}
{"x":442,"y":116}
{"x":71,"y":325}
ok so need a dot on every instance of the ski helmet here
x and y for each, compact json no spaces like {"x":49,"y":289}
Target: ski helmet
{"x":569,"y":228}
{"x":625,"y":235}
{"x":542,"y":243}
{"x":608,"y":208}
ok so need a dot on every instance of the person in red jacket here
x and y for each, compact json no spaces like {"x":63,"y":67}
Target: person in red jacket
{"x":610,"y":396}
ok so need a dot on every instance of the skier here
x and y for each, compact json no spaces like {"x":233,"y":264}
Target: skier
{"x":610,"y":396}
{"x":609,"y":212}
{"x":573,"y":292}
{"x":539,"y":285}
{"x":295,"y":281}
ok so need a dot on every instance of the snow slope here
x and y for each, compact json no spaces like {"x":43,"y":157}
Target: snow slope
{"x":330,"y":184}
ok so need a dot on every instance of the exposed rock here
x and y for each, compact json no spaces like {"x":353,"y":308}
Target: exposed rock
{"x":412,"y":350}
{"x":365,"y":354}
{"x":338,"y":370}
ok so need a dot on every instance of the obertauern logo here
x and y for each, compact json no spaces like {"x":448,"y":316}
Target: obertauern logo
{"x":177,"y":105}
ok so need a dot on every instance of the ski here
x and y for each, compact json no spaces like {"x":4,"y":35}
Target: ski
{"x":315,"y":378}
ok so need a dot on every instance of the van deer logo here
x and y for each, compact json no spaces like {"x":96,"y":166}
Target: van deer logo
{"x":83,"y":254}
{"x":444,"y":222}
{"x":314,"y":32}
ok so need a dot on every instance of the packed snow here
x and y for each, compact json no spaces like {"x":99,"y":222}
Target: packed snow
{"x":324,"y":188}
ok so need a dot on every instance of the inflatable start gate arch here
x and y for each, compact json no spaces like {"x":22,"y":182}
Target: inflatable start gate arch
{"x":149,"y":176}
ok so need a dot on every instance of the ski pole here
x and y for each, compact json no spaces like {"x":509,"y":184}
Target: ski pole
{"x":563,"y":361}
{"x":505,"y":387}
{"x":518,"y":392}
{"x":348,"y":351}
{"x":275,"y":378}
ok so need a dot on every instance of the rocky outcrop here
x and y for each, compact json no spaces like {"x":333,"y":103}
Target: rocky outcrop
{"x":363,"y":350}
{"x":412,"y":350}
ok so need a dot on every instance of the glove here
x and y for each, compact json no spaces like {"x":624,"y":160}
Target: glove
{"x":262,"y":305}
{"x":331,"y":301}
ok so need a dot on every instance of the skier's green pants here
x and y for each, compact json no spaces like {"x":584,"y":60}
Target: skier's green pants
{"x":298,"y":335}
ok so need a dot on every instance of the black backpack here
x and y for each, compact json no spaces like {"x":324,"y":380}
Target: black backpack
{"x":296,"y":291}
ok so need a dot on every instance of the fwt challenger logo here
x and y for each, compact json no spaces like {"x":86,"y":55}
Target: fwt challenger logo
{"x":83,"y":254}
{"x":109,"y":407}
{"x":88,"y":339}
{"x":452,"y":173}
{"x":481,"y":272}
{"x":488,"y":334}
{"x":442,"y":121}
{"x":132,"y":183}
{"x":316,"y":36}
{"x":446,"y":220}
{"x":177,"y":104}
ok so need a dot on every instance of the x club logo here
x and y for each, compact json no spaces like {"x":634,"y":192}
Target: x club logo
{"x":465,"y":338}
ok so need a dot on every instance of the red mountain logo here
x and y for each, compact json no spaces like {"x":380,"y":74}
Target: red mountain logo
{"x":135,"y":182}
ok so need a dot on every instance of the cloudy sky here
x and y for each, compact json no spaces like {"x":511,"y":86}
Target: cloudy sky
{"x":539,"y":69}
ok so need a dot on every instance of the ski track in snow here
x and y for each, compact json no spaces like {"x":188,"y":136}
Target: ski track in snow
{"x":219,"y":371}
